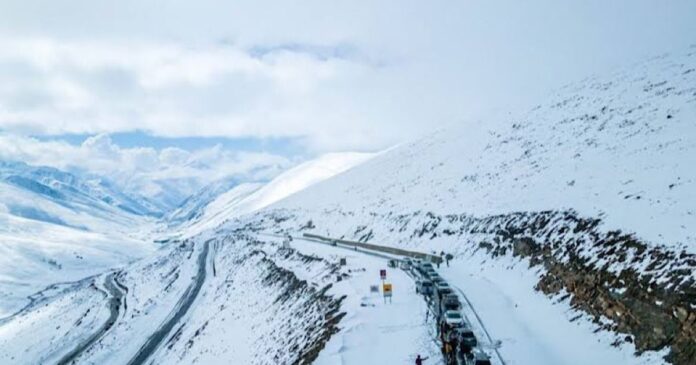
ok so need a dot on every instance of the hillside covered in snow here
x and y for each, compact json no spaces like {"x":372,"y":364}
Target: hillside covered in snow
{"x":56,"y":226}
{"x":571,"y":227}
{"x":593,"y":190}
{"x":225,"y":200}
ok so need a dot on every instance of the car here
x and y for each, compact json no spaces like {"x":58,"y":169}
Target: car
{"x":436,"y":279}
{"x":424,"y":287}
{"x":406,"y":263}
{"x":454,"y":319}
{"x":425,"y":267}
{"x":442,"y":289}
{"x":450,"y":302}
{"x":430,"y":274}
{"x":477,"y":357}
{"x":468,"y":338}
{"x":443,"y":284}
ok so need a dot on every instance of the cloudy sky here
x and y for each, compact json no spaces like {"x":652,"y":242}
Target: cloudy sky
{"x":250,"y":86}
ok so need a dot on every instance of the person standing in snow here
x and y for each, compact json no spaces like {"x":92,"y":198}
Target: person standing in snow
{"x":419,"y":359}
{"x":453,"y":349}
{"x":447,"y":350}
{"x":448,"y":257}
{"x":444,"y":327}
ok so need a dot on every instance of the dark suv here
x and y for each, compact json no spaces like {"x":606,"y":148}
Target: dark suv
{"x":450,"y":302}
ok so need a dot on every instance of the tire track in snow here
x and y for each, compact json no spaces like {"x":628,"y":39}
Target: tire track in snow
{"x":116,"y":293}
{"x":183,"y":305}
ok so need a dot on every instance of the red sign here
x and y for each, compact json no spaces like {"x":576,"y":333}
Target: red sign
{"x":383,"y":274}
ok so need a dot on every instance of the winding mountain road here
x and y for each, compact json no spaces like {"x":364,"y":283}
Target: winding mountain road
{"x":116,"y":295}
{"x":183,"y":305}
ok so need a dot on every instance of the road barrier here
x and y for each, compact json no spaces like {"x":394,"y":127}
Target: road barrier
{"x":386,"y":249}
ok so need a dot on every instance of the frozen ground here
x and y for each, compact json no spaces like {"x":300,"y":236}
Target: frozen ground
{"x":375,"y":332}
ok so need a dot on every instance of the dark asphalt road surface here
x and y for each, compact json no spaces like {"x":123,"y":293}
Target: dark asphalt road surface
{"x":182,"y":306}
{"x":114,"y":305}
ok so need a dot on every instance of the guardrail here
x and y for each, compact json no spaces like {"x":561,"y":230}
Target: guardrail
{"x":386,"y":249}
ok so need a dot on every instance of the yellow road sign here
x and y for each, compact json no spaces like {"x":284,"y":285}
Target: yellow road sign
{"x":387,"y":289}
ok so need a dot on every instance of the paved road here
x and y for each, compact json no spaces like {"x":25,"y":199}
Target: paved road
{"x":115,"y":293}
{"x":386,"y":256}
{"x":155,"y":340}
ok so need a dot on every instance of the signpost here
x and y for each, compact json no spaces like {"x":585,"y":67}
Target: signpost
{"x":383,"y":274}
{"x":387,"y":291}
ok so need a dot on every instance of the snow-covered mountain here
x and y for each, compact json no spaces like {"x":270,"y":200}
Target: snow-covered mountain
{"x":193,"y":207}
{"x":218,"y":202}
{"x":571,"y":228}
{"x":72,"y":191}
{"x":589,"y":198}
{"x":56,"y":226}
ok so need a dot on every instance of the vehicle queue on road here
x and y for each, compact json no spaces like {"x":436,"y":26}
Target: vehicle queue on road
{"x":459,"y":344}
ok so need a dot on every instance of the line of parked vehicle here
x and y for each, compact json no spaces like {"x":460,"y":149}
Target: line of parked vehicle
{"x":453,"y":327}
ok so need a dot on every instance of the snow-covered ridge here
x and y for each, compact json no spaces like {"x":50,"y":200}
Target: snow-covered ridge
{"x":621,"y":148}
{"x":210,"y":207}
{"x":72,"y":191}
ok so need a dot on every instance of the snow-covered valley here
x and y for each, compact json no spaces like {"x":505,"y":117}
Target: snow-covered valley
{"x":56,"y":227}
{"x":571,"y":229}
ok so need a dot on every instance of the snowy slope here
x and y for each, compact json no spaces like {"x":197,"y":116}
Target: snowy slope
{"x":249,"y":197}
{"x":55,"y":226}
{"x":193,"y":207}
{"x":211,"y":291}
{"x":620,"y":147}
{"x":590,"y":197}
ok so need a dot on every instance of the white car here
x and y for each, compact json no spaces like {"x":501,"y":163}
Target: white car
{"x":454,"y":319}
{"x":477,"y":357}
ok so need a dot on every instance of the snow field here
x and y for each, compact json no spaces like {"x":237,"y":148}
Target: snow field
{"x":374,"y":332}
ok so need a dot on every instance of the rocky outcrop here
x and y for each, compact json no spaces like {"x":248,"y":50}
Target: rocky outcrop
{"x":647,"y":293}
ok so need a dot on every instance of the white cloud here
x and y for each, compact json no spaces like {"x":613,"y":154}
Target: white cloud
{"x":171,"y":90}
{"x":143,"y":169}
{"x":342,"y":74}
